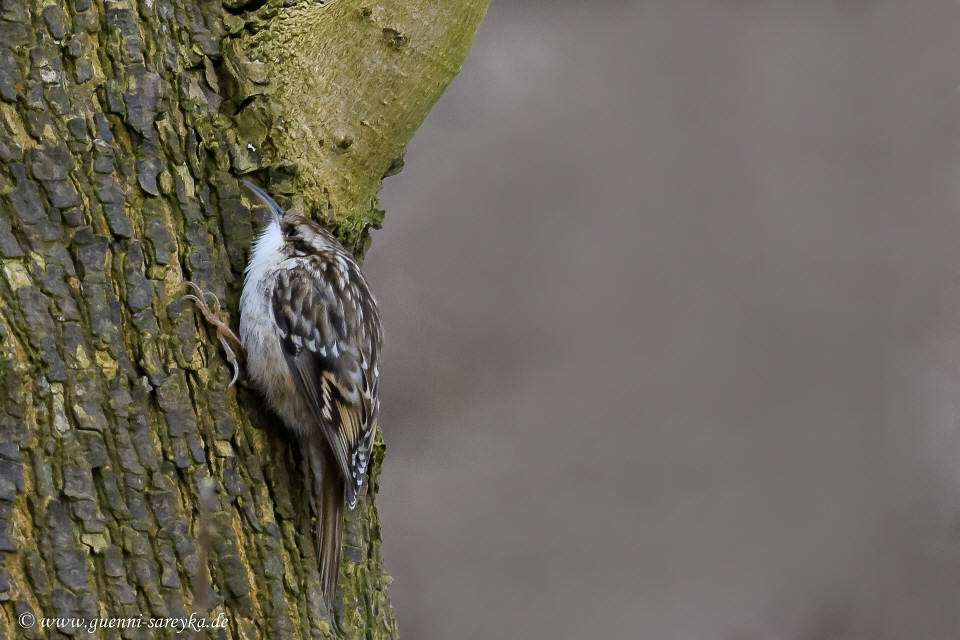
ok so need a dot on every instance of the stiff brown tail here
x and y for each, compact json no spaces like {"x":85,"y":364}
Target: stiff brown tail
{"x":326,"y":490}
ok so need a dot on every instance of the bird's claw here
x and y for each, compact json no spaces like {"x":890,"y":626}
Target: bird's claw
{"x":201,"y":299}
{"x":231,"y":358}
{"x":223,"y":330}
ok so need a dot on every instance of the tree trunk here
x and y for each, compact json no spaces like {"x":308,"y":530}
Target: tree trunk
{"x":134,"y":484}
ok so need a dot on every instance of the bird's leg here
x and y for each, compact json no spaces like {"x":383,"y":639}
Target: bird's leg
{"x":223,"y":331}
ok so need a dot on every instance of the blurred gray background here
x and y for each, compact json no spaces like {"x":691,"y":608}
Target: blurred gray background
{"x":672,"y":300}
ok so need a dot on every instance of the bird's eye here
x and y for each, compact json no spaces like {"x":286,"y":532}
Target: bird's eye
{"x":293,"y":233}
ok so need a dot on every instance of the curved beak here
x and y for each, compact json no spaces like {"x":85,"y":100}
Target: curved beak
{"x":272,"y":205}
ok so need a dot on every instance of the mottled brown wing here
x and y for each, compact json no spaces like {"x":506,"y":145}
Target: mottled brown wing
{"x":330,"y":332}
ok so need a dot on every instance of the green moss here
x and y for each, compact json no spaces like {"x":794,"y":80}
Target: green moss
{"x":359,"y":82}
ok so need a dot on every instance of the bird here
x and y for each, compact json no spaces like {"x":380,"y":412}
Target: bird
{"x":311,"y":332}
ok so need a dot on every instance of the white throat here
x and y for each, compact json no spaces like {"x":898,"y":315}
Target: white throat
{"x":265,"y":251}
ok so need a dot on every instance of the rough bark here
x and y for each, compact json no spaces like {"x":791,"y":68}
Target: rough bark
{"x":133,"y":482}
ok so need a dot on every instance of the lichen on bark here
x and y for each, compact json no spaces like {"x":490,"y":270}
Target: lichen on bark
{"x":133,"y":482}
